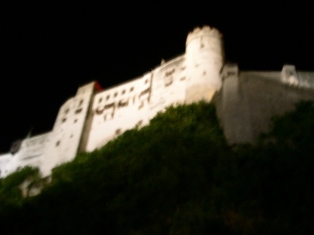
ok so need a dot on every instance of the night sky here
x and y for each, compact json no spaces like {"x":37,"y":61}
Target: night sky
{"x":50,"y":49}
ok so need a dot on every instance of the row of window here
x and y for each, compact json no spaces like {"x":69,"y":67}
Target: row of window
{"x":64,"y":120}
{"x":67,"y":110}
{"x":116,"y":93}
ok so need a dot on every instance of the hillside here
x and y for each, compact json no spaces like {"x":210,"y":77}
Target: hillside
{"x":176,"y":176}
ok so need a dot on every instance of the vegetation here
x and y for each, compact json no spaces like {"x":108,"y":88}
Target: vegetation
{"x":178,"y":176}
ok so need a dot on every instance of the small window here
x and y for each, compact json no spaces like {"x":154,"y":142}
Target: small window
{"x":141,"y":105}
{"x":66,"y":111}
{"x":99,"y":110}
{"x":139,"y":123}
{"x":57,"y":143}
{"x":118,"y":131}
{"x":71,"y":136}
{"x":81,"y":102}
{"x":115,"y":94}
{"x":169,"y":73}
{"x":108,"y":96}
{"x":100,"y":99}
{"x":122,"y":103}
{"x":168,"y":81}
{"x":63,"y":120}
{"x":78,"y":111}
{"x":75,"y":121}
{"x":131,"y":89}
{"x":204,"y":73}
{"x":146,"y":81}
{"x":123,"y":92}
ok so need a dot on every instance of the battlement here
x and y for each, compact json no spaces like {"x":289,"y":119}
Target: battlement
{"x":203,"y":31}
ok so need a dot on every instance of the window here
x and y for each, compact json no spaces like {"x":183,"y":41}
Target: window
{"x":168,"y":81}
{"x":123,"y":103}
{"x":123,"y":92}
{"x":57,"y":143}
{"x":115,"y":94}
{"x":147,"y":91}
{"x":169,"y":73}
{"x":108,"y":96}
{"x":75,"y":121}
{"x":141,"y":105}
{"x":100,"y":99}
{"x":63,"y":120}
{"x":118,"y":131}
{"x":109,"y":106}
{"x":78,"y":111}
{"x":66,"y":110}
{"x":131,"y":89}
{"x":81,"y":102}
{"x":139,"y":123}
{"x":99,"y":110}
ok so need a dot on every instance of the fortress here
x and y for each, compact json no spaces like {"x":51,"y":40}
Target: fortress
{"x":245,"y":103}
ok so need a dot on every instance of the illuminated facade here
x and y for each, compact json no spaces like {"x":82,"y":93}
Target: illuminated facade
{"x":245,"y":103}
{"x":93,"y":117}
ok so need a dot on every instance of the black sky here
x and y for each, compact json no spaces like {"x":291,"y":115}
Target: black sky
{"x":51,"y":48}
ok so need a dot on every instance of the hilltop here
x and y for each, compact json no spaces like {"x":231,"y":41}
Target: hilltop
{"x":176,"y":176}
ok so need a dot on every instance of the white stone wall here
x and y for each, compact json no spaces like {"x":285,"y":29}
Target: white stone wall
{"x":204,"y":61}
{"x":5,"y":160}
{"x":67,"y":131}
{"x":30,"y":154}
{"x":90,"y":119}
{"x":118,"y":109}
{"x":168,"y":86}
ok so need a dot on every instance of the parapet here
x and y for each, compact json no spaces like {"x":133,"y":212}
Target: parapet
{"x":201,"y":31}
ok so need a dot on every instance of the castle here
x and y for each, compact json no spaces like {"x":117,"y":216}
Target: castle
{"x":95,"y":116}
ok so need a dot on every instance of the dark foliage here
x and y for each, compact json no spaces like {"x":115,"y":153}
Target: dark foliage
{"x":178,"y":176}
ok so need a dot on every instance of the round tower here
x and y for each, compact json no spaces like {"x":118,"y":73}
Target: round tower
{"x":204,"y":60}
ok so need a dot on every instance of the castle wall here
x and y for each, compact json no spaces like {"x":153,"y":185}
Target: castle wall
{"x":5,"y":160}
{"x":30,"y":154}
{"x":249,"y":100}
{"x":168,"y":85}
{"x":245,"y":103}
{"x":118,"y":109}
{"x":67,"y":131}
{"x":232,"y":109}
{"x":204,"y":60}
